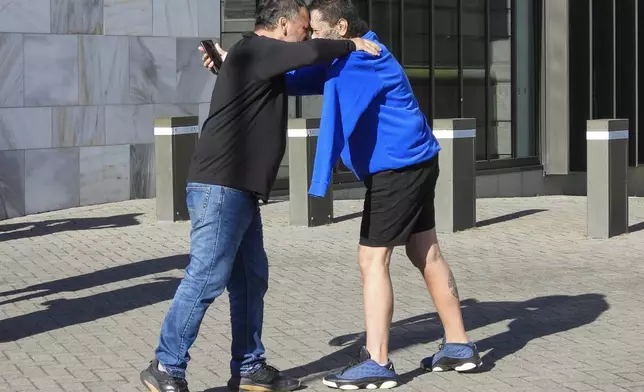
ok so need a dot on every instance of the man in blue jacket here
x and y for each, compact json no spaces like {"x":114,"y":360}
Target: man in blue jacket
{"x":371,"y":119}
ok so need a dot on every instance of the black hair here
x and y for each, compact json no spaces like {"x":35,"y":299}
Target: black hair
{"x":334,"y":10}
{"x":269,"y":12}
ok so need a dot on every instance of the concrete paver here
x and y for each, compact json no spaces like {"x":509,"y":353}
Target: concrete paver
{"x":83,"y":293}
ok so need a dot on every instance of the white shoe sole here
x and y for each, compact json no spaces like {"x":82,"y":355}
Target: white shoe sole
{"x":384,"y":385}
{"x":466,"y":367}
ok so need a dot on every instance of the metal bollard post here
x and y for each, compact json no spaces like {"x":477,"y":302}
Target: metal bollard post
{"x":305,"y":210}
{"x":175,"y":139}
{"x":455,"y":199}
{"x":607,"y":178}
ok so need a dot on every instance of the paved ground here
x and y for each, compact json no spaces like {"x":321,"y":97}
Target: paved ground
{"x":83,"y":293}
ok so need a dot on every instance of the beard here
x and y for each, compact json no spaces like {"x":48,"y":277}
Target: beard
{"x":332,"y":34}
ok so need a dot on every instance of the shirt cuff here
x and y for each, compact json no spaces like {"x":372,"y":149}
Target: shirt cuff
{"x":318,"y":189}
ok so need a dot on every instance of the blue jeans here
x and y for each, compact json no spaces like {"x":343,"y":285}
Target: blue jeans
{"x":226,"y":252}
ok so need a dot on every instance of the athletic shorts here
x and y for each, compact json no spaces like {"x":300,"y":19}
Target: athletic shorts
{"x":399,"y":203}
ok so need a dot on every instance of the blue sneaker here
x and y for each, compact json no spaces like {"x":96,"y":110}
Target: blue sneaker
{"x":462,"y":357}
{"x":363,"y":373}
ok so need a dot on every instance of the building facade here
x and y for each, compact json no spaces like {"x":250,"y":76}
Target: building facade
{"x":81,"y":83}
{"x":531,"y":72}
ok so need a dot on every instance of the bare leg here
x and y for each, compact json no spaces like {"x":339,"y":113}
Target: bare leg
{"x":378,"y":299}
{"x":424,"y":252}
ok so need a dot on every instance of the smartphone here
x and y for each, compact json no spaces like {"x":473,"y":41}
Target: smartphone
{"x":209,"y":47}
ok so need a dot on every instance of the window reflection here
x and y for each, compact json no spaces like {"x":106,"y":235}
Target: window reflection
{"x":479,"y":82}
{"x":385,"y":22}
{"x":416,"y":33}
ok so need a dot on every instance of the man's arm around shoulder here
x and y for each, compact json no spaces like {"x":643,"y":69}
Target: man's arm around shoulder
{"x":280,"y":57}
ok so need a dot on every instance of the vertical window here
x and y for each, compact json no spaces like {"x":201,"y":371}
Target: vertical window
{"x":474,"y":62}
{"x":446,"y":58}
{"x":524,"y":89}
{"x":482,"y":66}
{"x":475,"y":58}
{"x":499,"y":125}
{"x":416,"y":51}
{"x":385,"y":22}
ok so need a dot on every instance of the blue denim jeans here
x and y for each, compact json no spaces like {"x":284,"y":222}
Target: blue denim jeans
{"x":226,"y":252}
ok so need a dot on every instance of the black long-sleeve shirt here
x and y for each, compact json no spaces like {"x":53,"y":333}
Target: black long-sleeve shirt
{"x":243,"y":140}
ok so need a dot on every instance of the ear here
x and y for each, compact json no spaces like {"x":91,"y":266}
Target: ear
{"x":282,"y":23}
{"x":343,"y":27}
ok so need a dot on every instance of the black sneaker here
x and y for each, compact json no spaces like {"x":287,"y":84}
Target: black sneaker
{"x":233,"y":383}
{"x":157,"y":381}
{"x":266,"y":378}
{"x":363,"y":373}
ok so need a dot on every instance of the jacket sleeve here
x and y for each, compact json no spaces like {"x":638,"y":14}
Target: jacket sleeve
{"x":281,"y":57}
{"x":346,"y":98}
{"x":306,"y":81}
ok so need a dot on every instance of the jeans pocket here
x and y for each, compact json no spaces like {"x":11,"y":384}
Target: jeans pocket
{"x":197,"y":198}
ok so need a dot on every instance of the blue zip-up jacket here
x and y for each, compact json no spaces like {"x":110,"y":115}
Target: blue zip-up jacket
{"x":370,"y":116}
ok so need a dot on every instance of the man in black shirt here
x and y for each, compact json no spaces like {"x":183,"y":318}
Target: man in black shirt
{"x":235,"y":163}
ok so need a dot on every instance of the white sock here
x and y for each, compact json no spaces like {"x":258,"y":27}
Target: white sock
{"x":385,"y":365}
{"x":161,"y":368}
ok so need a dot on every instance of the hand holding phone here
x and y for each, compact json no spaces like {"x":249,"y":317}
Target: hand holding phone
{"x":209,"y":47}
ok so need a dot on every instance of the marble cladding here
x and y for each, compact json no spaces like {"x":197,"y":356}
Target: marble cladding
{"x":175,"y":18}
{"x":11,"y":70}
{"x":164,"y":18}
{"x":39,"y":180}
{"x":51,"y":70}
{"x":12,"y":184}
{"x":209,"y":20}
{"x":104,"y":70}
{"x":127,"y":124}
{"x":74,"y":126}
{"x":175,"y":110}
{"x":142,"y":171}
{"x":80,"y":84}
{"x":25,"y":128}
{"x":104,"y":174}
{"x":193,"y":84}
{"x":127,"y":17}
{"x":77,"y":17}
{"x":153,"y":69}
{"x":25,"y":16}
{"x":51,"y":179}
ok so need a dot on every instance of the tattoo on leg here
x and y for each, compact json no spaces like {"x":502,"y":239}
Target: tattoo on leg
{"x":452,"y":284}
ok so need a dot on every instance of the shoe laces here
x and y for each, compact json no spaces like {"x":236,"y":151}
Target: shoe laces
{"x":354,"y":362}
{"x":270,"y":368}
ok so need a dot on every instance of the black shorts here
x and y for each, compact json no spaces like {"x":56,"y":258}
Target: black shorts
{"x":399,"y":203}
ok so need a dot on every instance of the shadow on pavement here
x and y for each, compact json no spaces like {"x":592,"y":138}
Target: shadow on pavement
{"x":225,"y":389}
{"x":529,"y":320}
{"x":98,"y":278}
{"x":347,"y":217}
{"x":636,"y":227}
{"x":16,"y":231}
{"x":508,"y":217}
{"x":61,"y":313}
{"x":483,"y":223}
